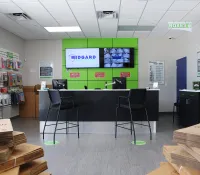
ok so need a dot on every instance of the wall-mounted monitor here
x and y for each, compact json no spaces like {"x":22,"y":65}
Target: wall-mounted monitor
{"x":82,"y":58}
{"x":117,"y":57}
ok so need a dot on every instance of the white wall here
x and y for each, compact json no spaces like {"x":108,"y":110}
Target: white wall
{"x":190,"y":45}
{"x":160,"y":49}
{"x":15,"y":44}
{"x":11,"y":42}
{"x":38,"y":50}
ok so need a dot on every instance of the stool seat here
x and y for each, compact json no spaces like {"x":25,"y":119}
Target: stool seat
{"x":135,"y":101}
{"x":61,"y":103}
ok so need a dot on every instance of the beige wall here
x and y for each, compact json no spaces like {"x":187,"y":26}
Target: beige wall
{"x":38,"y":50}
{"x":15,"y":44}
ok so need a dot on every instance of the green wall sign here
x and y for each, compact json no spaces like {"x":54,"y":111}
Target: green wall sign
{"x":96,"y":77}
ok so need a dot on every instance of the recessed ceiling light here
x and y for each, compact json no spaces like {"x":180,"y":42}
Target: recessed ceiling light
{"x":63,"y":29}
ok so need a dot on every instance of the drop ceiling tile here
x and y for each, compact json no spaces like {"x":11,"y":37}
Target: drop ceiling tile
{"x":156,"y":34}
{"x":76,"y":34}
{"x":5,"y":1}
{"x":183,"y":5}
{"x":148,"y":22}
{"x":155,"y":15}
{"x":105,"y":5}
{"x":24,"y":1}
{"x":130,"y":13}
{"x":58,"y":36}
{"x":122,"y":34}
{"x":141,"y":34}
{"x":92,"y":34}
{"x":123,"y":21}
{"x":83,"y":9}
{"x":134,"y":4}
{"x":89,"y":26}
{"x":159,"y":5}
{"x":9,"y":8}
{"x":13,"y":27}
{"x":171,"y":16}
{"x":108,"y":27}
{"x":61,"y":12}
{"x":40,"y":15}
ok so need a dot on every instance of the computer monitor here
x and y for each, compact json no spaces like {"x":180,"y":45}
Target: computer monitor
{"x":59,"y":83}
{"x":120,"y":83}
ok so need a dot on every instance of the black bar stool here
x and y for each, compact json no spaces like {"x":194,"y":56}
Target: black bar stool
{"x":135,"y":101}
{"x":59,"y":103}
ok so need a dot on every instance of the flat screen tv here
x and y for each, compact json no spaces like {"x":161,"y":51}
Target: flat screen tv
{"x":82,"y":58}
{"x":117,"y":57}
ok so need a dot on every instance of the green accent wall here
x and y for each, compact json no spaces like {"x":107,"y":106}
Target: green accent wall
{"x":86,"y":77}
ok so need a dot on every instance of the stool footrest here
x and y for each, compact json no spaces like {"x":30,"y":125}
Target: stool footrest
{"x":123,"y":127}
{"x":141,"y":124}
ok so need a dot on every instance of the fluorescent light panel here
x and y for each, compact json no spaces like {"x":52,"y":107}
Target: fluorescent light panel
{"x":63,"y":29}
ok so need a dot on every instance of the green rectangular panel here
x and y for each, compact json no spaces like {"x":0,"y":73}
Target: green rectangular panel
{"x":133,"y":72}
{"x":98,"y":84}
{"x":74,"y":43}
{"x":74,"y":74}
{"x":131,"y":84}
{"x":125,"y":42}
{"x":63,"y":58}
{"x":135,"y":57}
{"x":107,"y":74}
{"x":99,"y":42}
{"x":76,"y":84}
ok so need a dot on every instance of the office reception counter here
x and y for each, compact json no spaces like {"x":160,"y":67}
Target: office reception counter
{"x":99,"y":106}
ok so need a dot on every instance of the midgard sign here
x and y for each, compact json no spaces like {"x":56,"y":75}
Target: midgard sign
{"x":82,"y":58}
{"x":187,"y":26}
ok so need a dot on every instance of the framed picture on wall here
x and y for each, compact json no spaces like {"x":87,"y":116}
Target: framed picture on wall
{"x":46,"y":69}
{"x":156,"y":72}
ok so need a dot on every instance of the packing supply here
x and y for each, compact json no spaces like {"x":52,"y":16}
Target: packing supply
{"x":6,"y":131}
{"x":182,"y":170}
{"x":33,"y":168}
{"x":19,"y":138}
{"x":186,"y":142}
{"x":22,"y":154}
{"x":193,"y":151}
{"x":45,"y":173}
{"x":191,"y":134}
{"x":165,"y":169}
{"x":14,"y":171}
{"x":181,"y":157}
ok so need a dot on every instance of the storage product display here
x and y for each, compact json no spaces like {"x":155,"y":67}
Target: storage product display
{"x":182,"y":158}
{"x":19,"y":158}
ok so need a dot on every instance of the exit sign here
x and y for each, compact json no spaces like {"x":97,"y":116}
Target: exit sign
{"x":125,"y":74}
{"x":74,"y":75}
{"x":99,"y":74}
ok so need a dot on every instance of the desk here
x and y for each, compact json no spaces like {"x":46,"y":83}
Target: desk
{"x":100,"y":106}
{"x":189,"y":107}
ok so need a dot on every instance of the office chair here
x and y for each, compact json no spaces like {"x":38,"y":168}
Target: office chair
{"x":136,"y":101}
{"x":59,"y":103}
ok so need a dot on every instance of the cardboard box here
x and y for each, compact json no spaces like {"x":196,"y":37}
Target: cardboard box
{"x":183,"y":170}
{"x":6,"y":131}
{"x":45,"y":173}
{"x":19,"y":138}
{"x":22,"y":154}
{"x":186,"y":142}
{"x":165,"y":169}
{"x":7,"y":149}
{"x":14,"y":171}
{"x":33,"y":168}
{"x":191,"y":134}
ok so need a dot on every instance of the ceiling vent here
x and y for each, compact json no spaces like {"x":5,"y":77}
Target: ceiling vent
{"x":107,"y":15}
{"x":19,"y":16}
